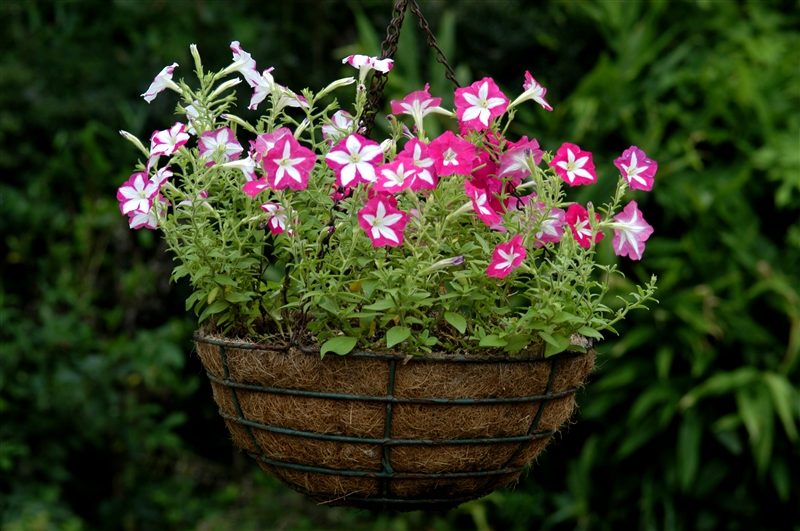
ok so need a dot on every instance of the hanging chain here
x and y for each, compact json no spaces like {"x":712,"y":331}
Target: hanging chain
{"x":388,"y":49}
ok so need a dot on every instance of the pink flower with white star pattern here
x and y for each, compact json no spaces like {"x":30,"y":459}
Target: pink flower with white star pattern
{"x":480,"y":202}
{"x":574,"y":166}
{"x":263,"y":88}
{"x":283,"y":97}
{"x":244,"y":64}
{"x":354,"y":160}
{"x":552,"y":225}
{"x":288,"y":164}
{"x":578,"y":220}
{"x":477,"y":104}
{"x":396,"y":177}
{"x":519,"y":159}
{"x":383,"y":223}
{"x":137,"y":193}
{"x":341,"y":125}
{"x":266,"y":141}
{"x":161,"y":176}
{"x":147,"y":220}
{"x":533,"y":91}
{"x":278,"y":217}
{"x":220,"y":144}
{"x":630,"y":232}
{"x":418,"y":104}
{"x":416,"y":152}
{"x":637,"y":169}
{"x":451,"y":155}
{"x":253,"y":188}
{"x":506,"y":257}
{"x":365,"y":63}
{"x":168,"y":141}
{"x":162,"y":81}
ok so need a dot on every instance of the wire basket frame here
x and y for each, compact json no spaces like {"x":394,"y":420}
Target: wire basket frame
{"x":436,"y":490}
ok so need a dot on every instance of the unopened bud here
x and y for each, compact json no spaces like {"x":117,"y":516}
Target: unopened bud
{"x":339,"y":83}
{"x":135,"y":141}
{"x":198,"y":64}
{"x":386,"y":145}
{"x":302,"y":127}
{"x":225,"y":86}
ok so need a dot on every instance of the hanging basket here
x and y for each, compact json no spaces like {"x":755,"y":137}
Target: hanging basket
{"x":386,"y":431}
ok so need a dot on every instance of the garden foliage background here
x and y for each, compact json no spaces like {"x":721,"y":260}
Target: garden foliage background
{"x":690,"y":421}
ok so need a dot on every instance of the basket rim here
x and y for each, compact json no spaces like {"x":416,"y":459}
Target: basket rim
{"x":201,"y":336}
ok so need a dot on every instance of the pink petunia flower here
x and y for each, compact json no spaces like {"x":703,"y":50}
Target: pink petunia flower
{"x":396,"y":176}
{"x":477,"y":104}
{"x":266,"y":141}
{"x":263,"y":88}
{"x":244,"y":64}
{"x":574,"y":166}
{"x":341,"y":125}
{"x":383,"y":223}
{"x":578,"y":220}
{"x":365,"y":63}
{"x":253,"y":188}
{"x":637,"y":169}
{"x":220,"y":143}
{"x":137,"y":193}
{"x":161,"y":176}
{"x":354,"y":160}
{"x":506,"y":257}
{"x":552,"y":225}
{"x":168,"y":141}
{"x":630,"y":232}
{"x":162,"y":81}
{"x":287,"y":98}
{"x":147,"y":220}
{"x":451,"y":154}
{"x":416,"y":152}
{"x":278,"y":217}
{"x":418,"y":104}
{"x":481,"y":204}
{"x":533,"y":91}
{"x":288,"y":164}
{"x":519,"y":159}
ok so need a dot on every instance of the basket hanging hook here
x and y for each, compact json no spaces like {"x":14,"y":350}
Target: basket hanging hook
{"x":388,"y":49}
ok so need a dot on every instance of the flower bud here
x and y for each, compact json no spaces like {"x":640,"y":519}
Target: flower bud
{"x":135,"y":141}
{"x":225,"y":86}
{"x":386,"y":145}
{"x":339,"y":83}
{"x":302,"y":127}
{"x":198,"y":64}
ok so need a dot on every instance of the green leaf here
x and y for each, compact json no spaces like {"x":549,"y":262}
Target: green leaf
{"x":397,"y":334}
{"x":561,"y":317}
{"x":338,"y":345}
{"x":456,"y":320}
{"x":179,"y":272}
{"x":690,"y":436}
{"x":214,"y":308}
{"x":384,"y":304}
{"x":328,"y":304}
{"x":213,"y":295}
{"x":782,"y":393}
{"x":590,"y":332}
{"x":517,"y":342}
{"x":561,"y":346}
{"x":493,"y":340}
{"x":238,"y":297}
{"x":224,"y":280}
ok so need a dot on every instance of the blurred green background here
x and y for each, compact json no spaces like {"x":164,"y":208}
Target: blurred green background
{"x":689,"y":422}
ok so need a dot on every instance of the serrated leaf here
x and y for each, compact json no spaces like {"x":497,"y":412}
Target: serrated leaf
{"x":340,"y":345}
{"x":493,"y":340}
{"x":456,"y":320}
{"x":224,"y":280}
{"x":397,"y":334}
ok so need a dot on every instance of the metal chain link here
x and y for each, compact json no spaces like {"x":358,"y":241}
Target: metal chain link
{"x":388,"y":49}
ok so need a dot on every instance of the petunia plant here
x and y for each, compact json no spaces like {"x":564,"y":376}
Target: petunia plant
{"x":293,"y":226}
